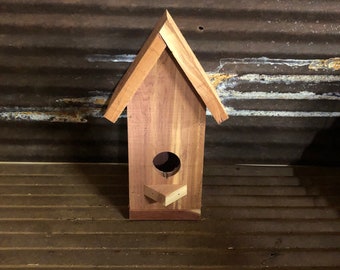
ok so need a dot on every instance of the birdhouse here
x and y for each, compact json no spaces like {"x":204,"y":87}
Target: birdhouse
{"x":166,"y":92}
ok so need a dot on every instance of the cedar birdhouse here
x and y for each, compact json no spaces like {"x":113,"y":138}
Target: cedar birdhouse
{"x":166,"y":92}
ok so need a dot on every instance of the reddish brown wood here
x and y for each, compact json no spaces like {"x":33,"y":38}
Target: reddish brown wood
{"x":165,"y":34}
{"x":134,"y":77}
{"x":191,"y":67}
{"x":166,"y":91}
{"x":174,"y":122}
{"x":165,"y":215}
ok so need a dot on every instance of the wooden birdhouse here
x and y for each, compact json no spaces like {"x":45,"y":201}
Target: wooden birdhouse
{"x":166,"y":92}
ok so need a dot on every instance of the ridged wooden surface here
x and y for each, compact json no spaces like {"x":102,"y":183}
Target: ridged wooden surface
{"x":73,"y":216}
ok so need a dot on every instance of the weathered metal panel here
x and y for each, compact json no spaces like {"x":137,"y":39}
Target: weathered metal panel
{"x":275,"y":65}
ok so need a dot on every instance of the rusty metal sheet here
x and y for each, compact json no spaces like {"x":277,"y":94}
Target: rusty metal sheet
{"x":275,"y":65}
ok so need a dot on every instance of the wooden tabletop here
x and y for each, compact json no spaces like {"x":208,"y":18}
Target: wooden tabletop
{"x":74,"y":216}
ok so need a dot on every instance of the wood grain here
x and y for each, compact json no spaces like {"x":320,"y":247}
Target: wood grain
{"x":190,"y":65}
{"x":165,"y":34}
{"x":242,"y":228}
{"x":136,"y":73}
{"x":134,"y":77}
{"x":165,"y":114}
{"x":165,"y":194}
{"x":166,"y":91}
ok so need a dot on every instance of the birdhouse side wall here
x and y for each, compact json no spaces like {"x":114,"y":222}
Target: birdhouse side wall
{"x":166,"y":115}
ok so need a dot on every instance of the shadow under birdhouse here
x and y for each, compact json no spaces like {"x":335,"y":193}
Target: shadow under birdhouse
{"x":322,"y":181}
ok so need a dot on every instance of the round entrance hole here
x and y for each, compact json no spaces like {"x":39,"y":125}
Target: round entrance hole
{"x":167,"y":163}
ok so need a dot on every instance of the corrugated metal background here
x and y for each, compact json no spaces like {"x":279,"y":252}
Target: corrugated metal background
{"x":275,"y":65}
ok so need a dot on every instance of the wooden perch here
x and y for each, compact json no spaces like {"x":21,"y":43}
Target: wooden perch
{"x":165,"y":194}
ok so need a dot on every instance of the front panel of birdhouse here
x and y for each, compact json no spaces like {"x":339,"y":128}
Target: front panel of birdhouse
{"x":166,"y":129}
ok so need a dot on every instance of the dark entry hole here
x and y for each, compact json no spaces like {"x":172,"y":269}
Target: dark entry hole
{"x":200,"y":28}
{"x":167,"y":163}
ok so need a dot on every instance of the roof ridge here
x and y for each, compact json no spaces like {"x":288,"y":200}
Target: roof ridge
{"x":165,"y":34}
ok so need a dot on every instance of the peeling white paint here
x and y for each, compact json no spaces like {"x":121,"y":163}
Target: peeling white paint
{"x":312,"y":64}
{"x":227,"y":90}
{"x":91,"y":101}
{"x":260,"y":61}
{"x":26,"y":115}
{"x":79,"y":109}
{"x":81,"y":115}
{"x":234,"y":112}
{"x":105,"y":58}
{"x":231,"y":83}
{"x":255,"y":95}
{"x":288,"y":79}
{"x":76,"y":115}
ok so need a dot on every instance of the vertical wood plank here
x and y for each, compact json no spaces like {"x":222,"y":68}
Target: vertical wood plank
{"x":166,"y":114}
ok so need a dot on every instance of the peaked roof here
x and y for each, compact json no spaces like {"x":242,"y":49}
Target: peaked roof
{"x":165,"y":35}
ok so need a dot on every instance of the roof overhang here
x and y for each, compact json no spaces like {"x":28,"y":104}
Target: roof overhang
{"x":166,"y":34}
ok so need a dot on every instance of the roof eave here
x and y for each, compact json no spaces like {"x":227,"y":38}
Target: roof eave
{"x":165,"y":34}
